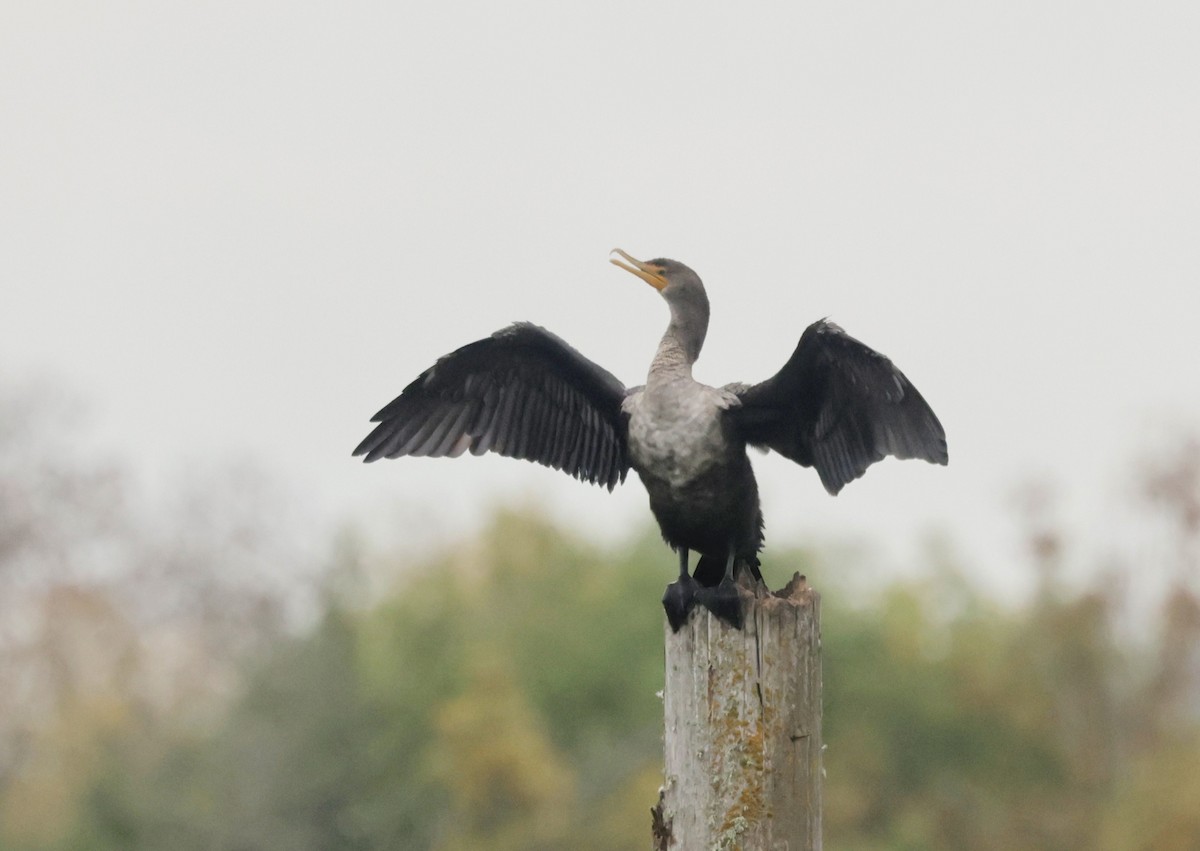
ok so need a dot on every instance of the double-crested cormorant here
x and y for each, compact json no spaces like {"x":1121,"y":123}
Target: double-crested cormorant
{"x":836,"y":405}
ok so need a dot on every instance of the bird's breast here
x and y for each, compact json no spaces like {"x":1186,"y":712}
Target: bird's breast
{"x":677,"y":436}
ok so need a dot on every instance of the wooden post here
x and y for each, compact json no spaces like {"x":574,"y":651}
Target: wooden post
{"x":743,"y":729}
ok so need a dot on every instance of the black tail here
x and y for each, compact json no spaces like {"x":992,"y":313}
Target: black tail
{"x":710,"y":569}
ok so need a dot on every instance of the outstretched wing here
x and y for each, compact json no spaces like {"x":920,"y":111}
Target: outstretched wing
{"x":839,"y":406}
{"x":521,"y":392}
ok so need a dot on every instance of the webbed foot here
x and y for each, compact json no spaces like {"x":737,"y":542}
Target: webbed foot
{"x":679,"y":599}
{"x":724,"y":601}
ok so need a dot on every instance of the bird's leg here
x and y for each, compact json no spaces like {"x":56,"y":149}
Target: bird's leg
{"x":725,"y":601}
{"x":680,"y":596}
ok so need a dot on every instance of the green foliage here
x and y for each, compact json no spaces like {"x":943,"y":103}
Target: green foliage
{"x":504,"y":698}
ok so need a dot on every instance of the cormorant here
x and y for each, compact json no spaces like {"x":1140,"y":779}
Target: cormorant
{"x":836,"y":405}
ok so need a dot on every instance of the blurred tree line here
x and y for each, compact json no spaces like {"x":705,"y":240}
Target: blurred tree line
{"x":183,"y":677}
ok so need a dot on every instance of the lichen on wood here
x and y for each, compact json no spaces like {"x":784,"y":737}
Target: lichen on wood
{"x":743,"y":727}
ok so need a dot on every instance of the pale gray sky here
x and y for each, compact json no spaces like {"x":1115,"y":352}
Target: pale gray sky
{"x":239,"y":228}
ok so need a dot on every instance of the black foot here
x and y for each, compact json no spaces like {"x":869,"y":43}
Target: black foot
{"x":678,"y":600}
{"x":724,"y":601}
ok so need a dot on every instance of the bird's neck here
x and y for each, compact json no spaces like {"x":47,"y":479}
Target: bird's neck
{"x":679,"y":348}
{"x":671,"y":361}
{"x":684,"y":338}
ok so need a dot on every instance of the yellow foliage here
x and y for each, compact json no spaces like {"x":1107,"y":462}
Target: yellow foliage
{"x":1159,"y":807}
{"x":38,"y":807}
{"x":510,"y":789}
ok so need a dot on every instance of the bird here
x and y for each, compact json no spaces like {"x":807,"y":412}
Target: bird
{"x":836,"y":405}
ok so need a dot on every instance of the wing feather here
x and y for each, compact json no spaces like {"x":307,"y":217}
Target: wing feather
{"x":521,"y":392}
{"x":434,"y":432}
{"x":839,"y":406}
{"x":504,"y":427}
{"x":483,"y":430}
{"x":452,"y":435}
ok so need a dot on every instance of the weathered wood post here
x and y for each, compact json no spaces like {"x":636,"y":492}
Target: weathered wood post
{"x":743,"y":729}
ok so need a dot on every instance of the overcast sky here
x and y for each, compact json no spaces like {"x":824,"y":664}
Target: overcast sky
{"x":239,"y":228}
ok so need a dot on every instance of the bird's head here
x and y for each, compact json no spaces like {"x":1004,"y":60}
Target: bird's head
{"x":664,"y":275}
{"x":682,"y":289}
